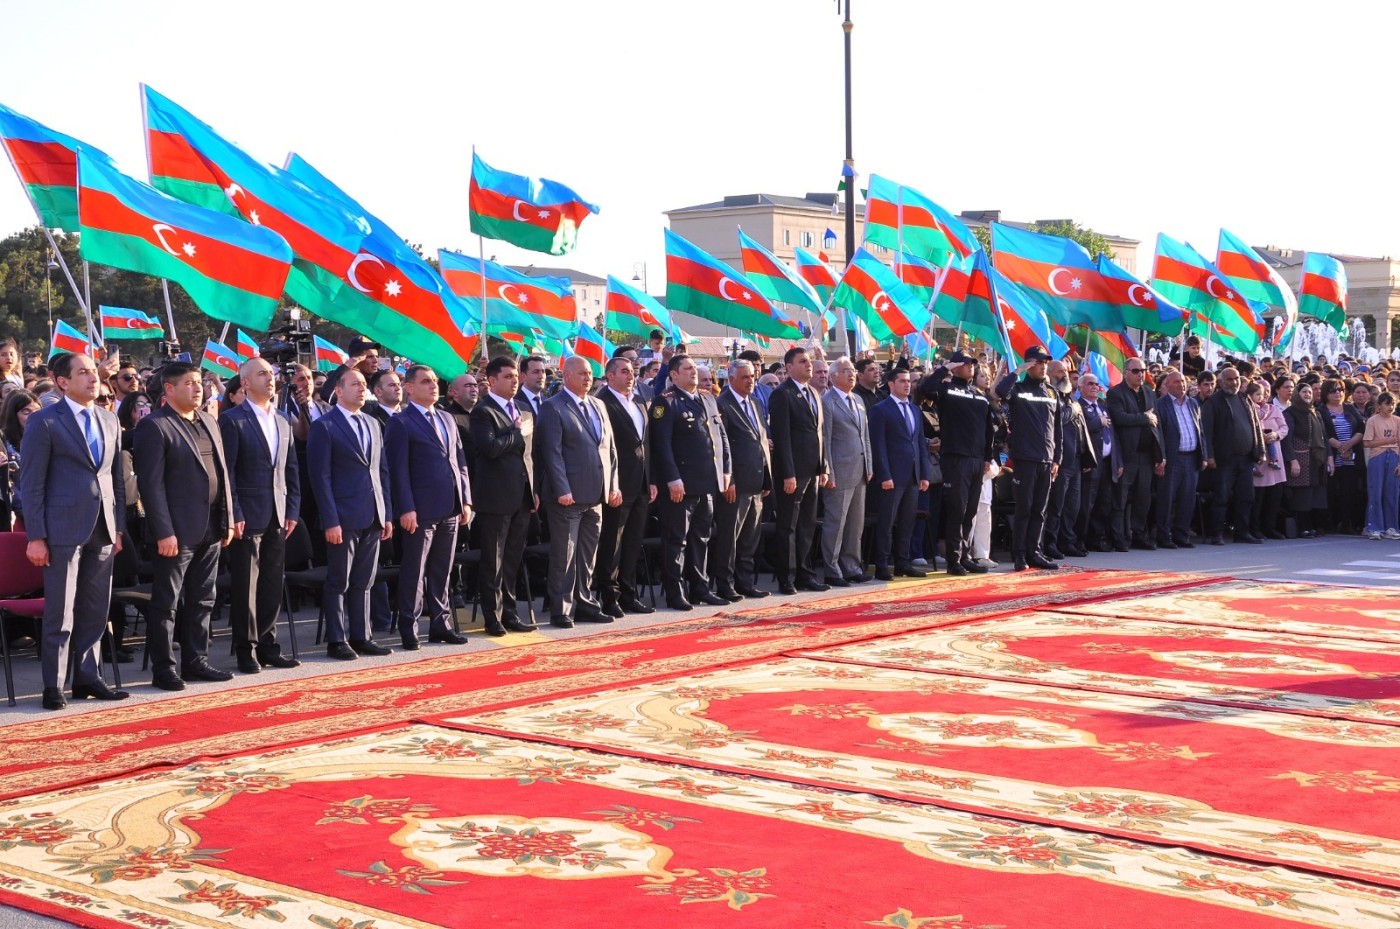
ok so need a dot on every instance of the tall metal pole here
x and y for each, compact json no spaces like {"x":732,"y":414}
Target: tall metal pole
{"x":846,"y":27}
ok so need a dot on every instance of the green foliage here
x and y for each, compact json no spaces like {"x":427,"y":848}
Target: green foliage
{"x":1094,"y":243}
{"x":984,"y":237}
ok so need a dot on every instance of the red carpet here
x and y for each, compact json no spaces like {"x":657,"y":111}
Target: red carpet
{"x":1305,"y":609}
{"x":1315,"y":675}
{"x":459,"y":830}
{"x":43,"y":753}
{"x":1267,"y":786}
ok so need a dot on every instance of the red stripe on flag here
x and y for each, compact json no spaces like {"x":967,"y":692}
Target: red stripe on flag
{"x":1179,"y":272}
{"x":47,"y":163}
{"x":528,"y":297}
{"x":621,"y":303}
{"x":127,"y":324}
{"x":388,"y":286}
{"x":494,"y":205}
{"x":1078,"y":283}
{"x":172,"y":156}
{"x":681,"y":270}
{"x":1323,"y":288}
{"x":918,"y":275}
{"x":758,"y":263}
{"x":66,"y":343}
{"x":1234,"y":264}
{"x":870,"y":289}
{"x":214,"y":258}
{"x":886,"y":213}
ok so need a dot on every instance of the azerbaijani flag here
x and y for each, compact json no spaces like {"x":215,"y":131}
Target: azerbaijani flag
{"x":189,"y":160}
{"x":514,"y":300}
{"x":1219,"y":312}
{"x":631,"y":311}
{"x":966,"y":298}
{"x":1056,"y":273}
{"x":816,"y":272}
{"x":591,"y":345}
{"x":540,"y":215}
{"x":244,"y":346}
{"x":774,"y":279}
{"x":119,"y":322}
{"x":698,"y":283}
{"x":1250,"y":274}
{"x":870,"y":291}
{"x":1140,"y":305}
{"x":1024,"y":323}
{"x":902,"y":219}
{"x":1112,"y":349}
{"x":67,"y":339}
{"x":404,"y":302}
{"x":220,"y":359}
{"x":1323,"y":289}
{"x":328,"y":355}
{"x":1098,"y":365}
{"x":231,"y":270}
{"x":918,"y":275}
{"x":47,"y":164}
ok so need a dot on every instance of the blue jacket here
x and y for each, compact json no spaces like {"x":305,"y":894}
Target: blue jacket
{"x":426,"y":477}
{"x":351,"y":490}
{"x":260,"y":491}
{"x":901,"y":455}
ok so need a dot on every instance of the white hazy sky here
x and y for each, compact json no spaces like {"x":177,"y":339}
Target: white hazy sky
{"x":1274,"y":119}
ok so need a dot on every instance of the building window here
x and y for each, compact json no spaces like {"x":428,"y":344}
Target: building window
{"x":809,"y":240}
{"x":787,"y":236}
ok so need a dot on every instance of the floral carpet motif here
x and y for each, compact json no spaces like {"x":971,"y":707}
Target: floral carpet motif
{"x":428,"y":827}
{"x":1317,"y":675}
{"x":1263,"y":785}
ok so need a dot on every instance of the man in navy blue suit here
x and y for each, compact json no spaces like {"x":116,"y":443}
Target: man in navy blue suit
{"x":902,"y":470}
{"x":1180,"y":419}
{"x":350,"y":481}
{"x":432,"y":495}
{"x":262,"y":463}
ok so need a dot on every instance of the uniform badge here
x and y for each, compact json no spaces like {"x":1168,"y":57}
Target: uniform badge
{"x":658,"y":411}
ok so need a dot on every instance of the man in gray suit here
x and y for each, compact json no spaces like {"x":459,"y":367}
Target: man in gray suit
{"x":849,"y":468}
{"x":75,"y":515}
{"x":186,"y":492}
{"x":579,"y":465}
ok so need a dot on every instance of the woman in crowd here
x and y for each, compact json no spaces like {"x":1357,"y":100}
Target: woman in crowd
{"x":1344,"y":426}
{"x":14,"y":415}
{"x":1306,"y":455}
{"x":1269,"y":477}
{"x":1382,"y":444}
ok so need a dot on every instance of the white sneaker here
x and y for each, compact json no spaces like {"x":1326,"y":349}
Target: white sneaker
{"x":1392,"y":534}
{"x":1373,"y":535}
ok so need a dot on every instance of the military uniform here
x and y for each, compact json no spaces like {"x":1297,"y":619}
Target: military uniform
{"x":688,"y":444}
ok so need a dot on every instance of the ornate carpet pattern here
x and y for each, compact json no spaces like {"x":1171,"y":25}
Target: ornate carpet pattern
{"x":1266,"y":786}
{"x":1305,"y":609}
{"x":428,"y":827}
{"x":1316,"y":675}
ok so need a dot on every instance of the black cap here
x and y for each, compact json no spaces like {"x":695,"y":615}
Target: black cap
{"x":360,"y":344}
{"x":1038,"y":353}
{"x":960,"y":357}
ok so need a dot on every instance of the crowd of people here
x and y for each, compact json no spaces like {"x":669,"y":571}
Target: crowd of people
{"x":832,"y":473}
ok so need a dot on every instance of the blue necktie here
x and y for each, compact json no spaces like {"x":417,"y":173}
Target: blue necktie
{"x":93,"y":444}
{"x":364,"y":436}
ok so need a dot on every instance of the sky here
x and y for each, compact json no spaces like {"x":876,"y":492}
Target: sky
{"x":1268,"y":118}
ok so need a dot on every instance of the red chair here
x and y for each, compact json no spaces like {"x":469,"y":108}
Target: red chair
{"x":20,"y":581}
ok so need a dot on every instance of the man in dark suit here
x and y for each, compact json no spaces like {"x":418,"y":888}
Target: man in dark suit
{"x":624,"y":527}
{"x":739,"y":510}
{"x":187,"y":493}
{"x":902,"y":469}
{"x":690,"y":455}
{"x":74,"y":488}
{"x":387,"y":388}
{"x":432,"y":495}
{"x":799,"y":470}
{"x":1078,"y":457}
{"x":1096,"y":491}
{"x":578,"y":477}
{"x":350,"y":481}
{"x":505,"y":489}
{"x":1234,"y":446}
{"x":1180,"y":418}
{"x":303,"y":408}
{"x":1137,"y":450}
{"x":266,"y":506}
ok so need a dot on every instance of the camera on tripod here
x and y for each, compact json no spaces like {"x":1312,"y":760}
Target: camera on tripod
{"x":167,"y":351}
{"x":285,"y":344}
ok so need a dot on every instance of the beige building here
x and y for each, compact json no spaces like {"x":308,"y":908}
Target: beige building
{"x":590,"y":292}
{"x":1373,"y":295}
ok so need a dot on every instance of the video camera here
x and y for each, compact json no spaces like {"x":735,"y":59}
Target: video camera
{"x":289,"y":341}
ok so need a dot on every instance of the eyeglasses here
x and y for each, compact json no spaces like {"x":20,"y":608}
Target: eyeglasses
{"x":105,"y":399}
{"x":1137,"y":370}
{"x":126,"y":377}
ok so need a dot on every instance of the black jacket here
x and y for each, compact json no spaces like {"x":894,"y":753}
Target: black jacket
{"x":1034,"y":416}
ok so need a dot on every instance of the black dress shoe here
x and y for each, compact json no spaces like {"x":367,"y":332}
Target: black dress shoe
{"x":592,"y":616}
{"x":973,"y":567}
{"x":1076,"y":553}
{"x":956,"y":570}
{"x":884,"y":574}
{"x":679,"y":603}
{"x":1184,"y":543}
{"x":1146,"y":545}
{"x":1249,"y":539}
{"x":1053,"y":553}
{"x":614,"y":610}
{"x":563,"y":622}
{"x":836,"y":581}
{"x":340,"y":652}
{"x":97,"y":690}
{"x":206,"y":672}
{"x":1277,"y":536}
{"x":1120,"y":547}
{"x":446,"y":637}
{"x":707,"y":598}
{"x":168,"y":682}
{"x":1019,"y":565}
{"x":856,"y":578}
{"x":278,"y":661}
{"x":813,"y":586}
{"x":247,"y":664}
{"x":910,"y":571}
{"x":636,"y":606}
{"x":786,"y":589}
{"x":53,"y":699}
{"x":516,"y":624}
{"x":370,"y":648}
{"x":409,"y":641}
{"x":729,"y":595}
{"x":494,"y":628}
{"x":1217,"y":539}
{"x":751,"y":593}
{"x":1166,"y":543}
{"x":1040,"y":561}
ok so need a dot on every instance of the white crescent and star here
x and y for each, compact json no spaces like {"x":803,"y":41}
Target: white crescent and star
{"x":722,"y":292}
{"x":515,"y":212}
{"x":350,"y":275}
{"x":881,"y":295}
{"x":1211,"y":281}
{"x":520,"y":298}
{"x":1146,"y":295}
{"x":160,"y":229}
{"x":1050,"y":281}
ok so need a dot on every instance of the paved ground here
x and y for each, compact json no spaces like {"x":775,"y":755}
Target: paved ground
{"x":1343,"y":560}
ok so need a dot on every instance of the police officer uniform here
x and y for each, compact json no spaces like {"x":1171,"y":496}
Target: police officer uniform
{"x":1033,"y":412}
{"x":689,"y":445}
{"x":967,"y":429}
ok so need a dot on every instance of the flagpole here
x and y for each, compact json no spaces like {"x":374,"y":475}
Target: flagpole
{"x":996,"y":307}
{"x":68,"y":275}
{"x":94,"y":331}
{"x":481,"y":258}
{"x":169,"y":311}
{"x":223,"y":334}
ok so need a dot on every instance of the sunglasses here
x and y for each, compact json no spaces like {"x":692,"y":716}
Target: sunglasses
{"x":1137,"y":370}
{"x":105,"y":399}
{"x":126,"y":377}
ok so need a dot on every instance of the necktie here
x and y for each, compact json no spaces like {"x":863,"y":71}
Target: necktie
{"x":364,"y":434}
{"x":851,"y":404}
{"x":811,"y":401}
{"x":908,"y":417}
{"x":93,"y":444}
{"x":748,"y":411}
{"x":440,"y":429}
{"x":514,"y":414}
{"x":588,"y":418}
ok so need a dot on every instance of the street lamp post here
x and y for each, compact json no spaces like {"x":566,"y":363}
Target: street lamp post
{"x":640,"y":276}
{"x":48,"y":292}
{"x":849,"y":173}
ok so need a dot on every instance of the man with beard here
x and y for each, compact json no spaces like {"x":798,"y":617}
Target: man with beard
{"x":1077,"y":458}
{"x":1234,"y":445}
